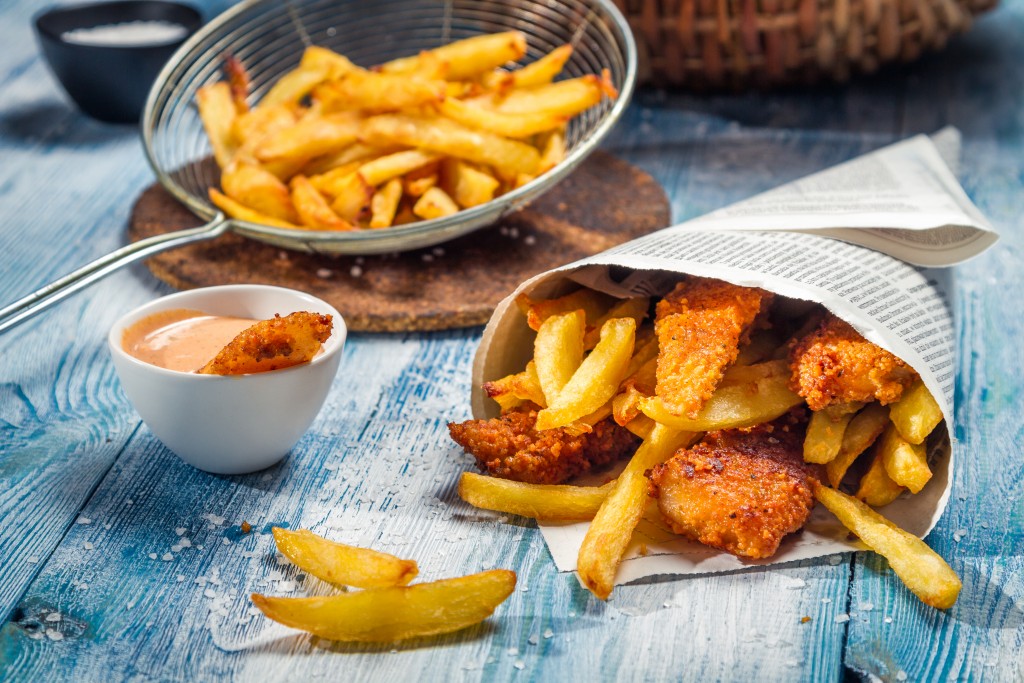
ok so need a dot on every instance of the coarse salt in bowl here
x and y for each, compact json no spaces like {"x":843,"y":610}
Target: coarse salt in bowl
{"x":230,"y":424}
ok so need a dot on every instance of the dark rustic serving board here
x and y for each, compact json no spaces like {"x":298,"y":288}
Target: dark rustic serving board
{"x":605,"y":202}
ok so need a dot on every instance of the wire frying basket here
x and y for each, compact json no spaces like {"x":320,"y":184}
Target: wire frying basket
{"x":269,"y":36}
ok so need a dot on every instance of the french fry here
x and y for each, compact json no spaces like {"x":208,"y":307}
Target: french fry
{"x":243,"y":213}
{"x":864,"y":428}
{"x":258,"y":189}
{"x":564,"y":98}
{"x":378,"y":92}
{"x":552,"y":151}
{"x":825,"y":432}
{"x":512,"y":390}
{"x":592,"y":303}
{"x":468,"y":186}
{"x":384,"y":168}
{"x":539,"y":501}
{"x":540,"y":72}
{"x":515,"y":125}
{"x":448,"y":137}
{"x":916,"y":414}
{"x":335,"y":181}
{"x":467,"y":58}
{"x":613,"y":525}
{"x":384,"y":204}
{"x":313,"y":209}
{"x":381,"y":615}
{"x":734,"y":406}
{"x":877,"y":488}
{"x":596,"y":379}
{"x":217,"y":112}
{"x":343,"y":565}
{"x":290,"y":88}
{"x":435,"y":203}
{"x":635,"y":308}
{"x":906,"y":463}
{"x":558,"y":351}
{"x":254,"y":125}
{"x":316,"y":57}
{"x":352,"y":197}
{"x":311,"y":137}
{"x":919,"y":567}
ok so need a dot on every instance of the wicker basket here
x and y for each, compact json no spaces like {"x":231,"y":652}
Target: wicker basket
{"x":763,"y":43}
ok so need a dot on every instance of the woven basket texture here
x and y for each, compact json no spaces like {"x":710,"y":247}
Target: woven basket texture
{"x":737,"y":44}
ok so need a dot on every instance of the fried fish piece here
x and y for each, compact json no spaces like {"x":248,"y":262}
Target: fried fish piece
{"x":510,"y":447}
{"x":701,"y":325}
{"x":834,"y":364}
{"x":739,"y":490}
{"x":272,"y":345}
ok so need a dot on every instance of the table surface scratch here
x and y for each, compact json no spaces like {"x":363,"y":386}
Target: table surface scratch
{"x":121,"y":562}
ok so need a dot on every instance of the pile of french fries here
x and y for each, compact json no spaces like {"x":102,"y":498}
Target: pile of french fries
{"x":334,"y":146}
{"x":595,"y":356}
{"x":388,"y":608}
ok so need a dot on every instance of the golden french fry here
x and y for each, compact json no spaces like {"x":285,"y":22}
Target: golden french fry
{"x":511,"y":390}
{"x":641,"y":426}
{"x":906,"y":463}
{"x":435,"y":203}
{"x":243,"y":213}
{"x":343,"y":565}
{"x":217,"y":112}
{"x":335,"y":181}
{"x":336,"y":65}
{"x":919,"y":567}
{"x":254,"y":125}
{"x":290,"y":88}
{"x":864,"y":428}
{"x":733,"y":406}
{"x":313,"y":209}
{"x":539,"y":501}
{"x":552,"y":151}
{"x":313,"y":136}
{"x":645,"y":353}
{"x":383,"y":169}
{"x":877,"y":488}
{"x":467,"y":58}
{"x":379,"y":92}
{"x":515,"y":125}
{"x":468,"y":186}
{"x":592,"y":303}
{"x":916,"y":414}
{"x":613,"y":525}
{"x":258,"y":189}
{"x":626,"y":404}
{"x":381,"y":615}
{"x":356,"y":152}
{"x":565,"y":98}
{"x":384,"y":204}
{"x":447,"y":137}
{"x":352,"y":197}
{"x":825,"y":432}
{"x":635,"y":308}
{"x":539,"y":72}
{"x":558,"y":351}
{"x":597,"y":378}
{"x":417,"y":187}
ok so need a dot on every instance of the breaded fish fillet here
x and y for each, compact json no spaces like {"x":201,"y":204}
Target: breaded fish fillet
{"x":700,"y":326}
{"x":510,"y":447}
{"x":835,"y":364}
{"x":739,"y":490}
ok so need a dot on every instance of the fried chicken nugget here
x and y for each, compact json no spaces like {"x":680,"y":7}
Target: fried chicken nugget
{"x":700,"y":326}
{"x":739,"y":490}
{"x":272,"y":345}
{"x":835,"y":364}
{"x":510,"y":447}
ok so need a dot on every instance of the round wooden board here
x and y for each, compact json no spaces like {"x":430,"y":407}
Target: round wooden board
{"x":605,"y":202}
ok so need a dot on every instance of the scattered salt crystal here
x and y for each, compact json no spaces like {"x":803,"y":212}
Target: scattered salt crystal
{"x":548,"y":633}
{"x":185,"y":543}
{"x":32,"y":559}
{"x":84,"y":520}
{"x":866,"y":606}
{"x":513,"y":651}
{"x":106,"y":526}
{"x":267,"y":477}
{"x":83,"y":586}
{"x":180,"y":578}
{"x":175,"y":548}
{"x":355,"y":271}
{"x":167,"y":557}
{"x":530,"y":240}
{"x":324,"y":273}
{"x":210,"y":593}
{"x":504,"y":230}
{"x":201,"y":580}
{"x":254,"y":611}
{"x":216,"y":520}
{"x":199,"y":547}
{"x":826,"y":601}
{"x":37,"y":635}
{"x":835,"y":560}
{"x":225,"y":541}
{"x":180,"y":531}
{"x":533,"y":640}
{"x":438,"y":251}
{"x":360,"y":260}
{"x":519,"y":665}
{"x":87,"y":545}
{"x":427,"y":258}
{"x":842,"y":618}
{"x":792,"y":663}
{"x":54,"y":634}
{"x":887,"y":620}
{"x":152,"y":556}
{"x":901,"y":675}
{"x":53,"y":616}
{"x":286,"y":586}
{"x":572,"y":614}
{"x":795,"y":584}
{"x":129,"y":502}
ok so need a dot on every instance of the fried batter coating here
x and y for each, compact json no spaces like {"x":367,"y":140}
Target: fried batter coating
{"x":701,"y":325}
{"x":835,"y":364}
{"x":272,"y":345}
{"x":510,"y":447}
{"x":739,"y":490}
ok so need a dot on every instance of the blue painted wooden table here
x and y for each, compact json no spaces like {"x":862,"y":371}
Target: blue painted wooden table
{"x":117,"y":561}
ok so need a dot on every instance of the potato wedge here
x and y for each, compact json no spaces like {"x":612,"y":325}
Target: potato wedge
{"x":558,"y":351}
{"x":825,"y":432}
{"x":343,"y":565}
{"x":906,"y":463}
{"x":864,"y":428}
{"x":916,"y":414}
{"x":539,"y":501}
{"x":597,"y":378}
{"x":612,"y":527}
{"x":919,"y":567}
{"x":381,"y":615}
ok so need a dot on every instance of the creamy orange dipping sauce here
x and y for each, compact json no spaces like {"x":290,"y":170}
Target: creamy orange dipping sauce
{"x":181,"y":339}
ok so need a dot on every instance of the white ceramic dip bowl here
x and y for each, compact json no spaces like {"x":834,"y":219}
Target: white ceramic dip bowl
{"x":230,"y":424}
